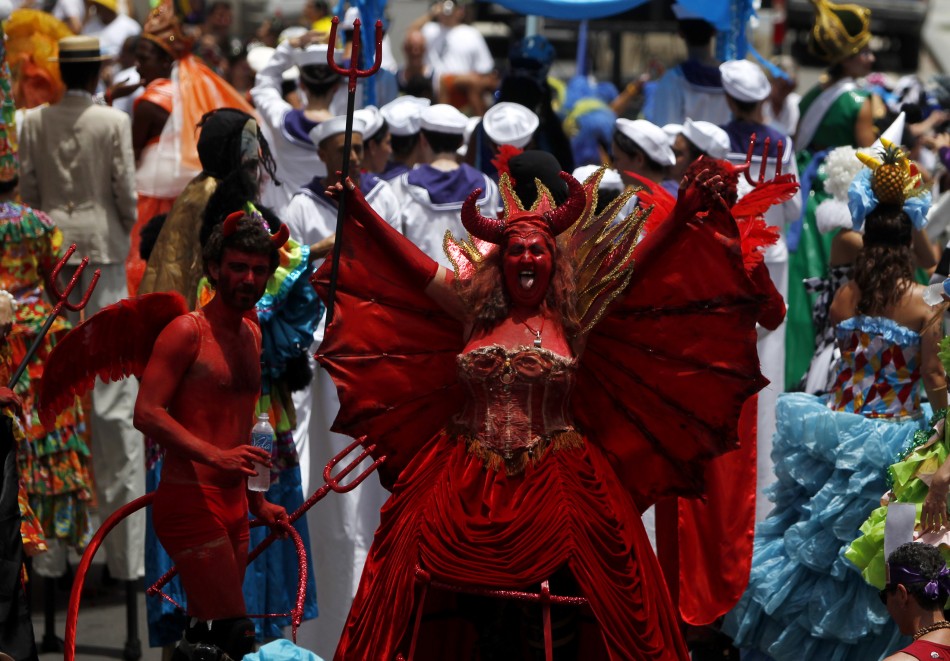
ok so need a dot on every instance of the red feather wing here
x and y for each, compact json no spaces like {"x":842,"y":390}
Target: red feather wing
{"x":114,"y":343}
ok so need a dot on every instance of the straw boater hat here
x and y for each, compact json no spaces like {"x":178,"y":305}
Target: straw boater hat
{"x":79,"y":49}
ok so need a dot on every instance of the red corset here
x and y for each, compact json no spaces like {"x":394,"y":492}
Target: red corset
{"x":517,"y":404}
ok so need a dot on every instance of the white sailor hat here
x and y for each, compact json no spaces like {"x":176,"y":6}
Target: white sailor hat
{"x":313,"y":54}
{"x":349,"y":18}
{"x":649,"y":137}
{"x":404,"y":114}
{"x":467,"y":135}
{"x":443,"y":118}
{"x":708,"y":138}
{"x":744,"y":81}
{"x":672,"y":130}
{"x":509,"y":123}
{"x":292,"y":32}
{"x":335,"y":126}
{"x":372,"y":120}
{"x":259,"y":56}
{"x":609,"y":182}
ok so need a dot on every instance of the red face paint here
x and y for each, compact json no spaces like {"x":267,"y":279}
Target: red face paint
{"x":528,"y":265}
{"x":241,"y":278}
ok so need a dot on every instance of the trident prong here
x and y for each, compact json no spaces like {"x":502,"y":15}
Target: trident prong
{"x":62,"y":298}
{"x":747,"y":167}
{"x":334,"y":480}
{"x":353,"y":71}
{"x":58,"y":305}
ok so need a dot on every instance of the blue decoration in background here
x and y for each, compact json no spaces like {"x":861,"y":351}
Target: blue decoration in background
{"x":370,"y":12}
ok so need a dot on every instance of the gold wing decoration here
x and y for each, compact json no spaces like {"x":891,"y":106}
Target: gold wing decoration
{"x":466,"y":255}
{"x":602,"y":245}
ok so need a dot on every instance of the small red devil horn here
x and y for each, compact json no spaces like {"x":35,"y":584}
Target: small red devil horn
{"x":486,"y":229}
{"x":280,"y":238}
{"x":231,"y":223}
{"x":572,"y":209}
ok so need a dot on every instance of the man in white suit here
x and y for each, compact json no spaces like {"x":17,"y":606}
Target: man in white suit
{"x":77,"y":165}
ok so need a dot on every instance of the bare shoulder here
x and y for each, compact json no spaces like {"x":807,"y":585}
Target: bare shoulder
{"x":845,"y":302}
{"x":921,"y":311}
{"x":254,"y":329}
{"x":181,"y":333}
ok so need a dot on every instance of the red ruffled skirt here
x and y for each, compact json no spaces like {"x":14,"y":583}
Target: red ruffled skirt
{"x":470,"y":526}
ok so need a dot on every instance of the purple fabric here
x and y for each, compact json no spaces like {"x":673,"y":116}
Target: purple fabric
{"x":701,"y":75}
{"x":740,"y":133}
{"x":393,"y":170}
{"x":447,"y":187}
{"x":935,"y":588}
{"x":944,"y":153}
{"x":368,"y":181}
{"x":297,"y":127}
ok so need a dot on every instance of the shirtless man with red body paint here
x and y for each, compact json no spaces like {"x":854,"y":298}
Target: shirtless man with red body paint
{"x":197,"y":400}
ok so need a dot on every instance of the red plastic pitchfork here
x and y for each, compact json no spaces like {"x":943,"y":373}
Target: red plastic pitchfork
{"x":352,"y":73}
{"x":747,"y":168}
{"x":333,"y":483}
{"x":62,"y":301}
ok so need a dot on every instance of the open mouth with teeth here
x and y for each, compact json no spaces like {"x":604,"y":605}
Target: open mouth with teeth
{"x":527,"y":279}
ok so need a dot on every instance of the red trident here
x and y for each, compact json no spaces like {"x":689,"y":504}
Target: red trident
{"x":747,"y":168}
{"x":352,"y":73}
{"x":62,"y":301}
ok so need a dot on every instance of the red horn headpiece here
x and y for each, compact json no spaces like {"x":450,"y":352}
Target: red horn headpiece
{"x":230,"y":225}
{"x":543,"y":215}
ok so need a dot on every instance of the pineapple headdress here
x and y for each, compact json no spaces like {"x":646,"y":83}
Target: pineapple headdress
{"x":840,"y":31}
{"x":892,"y":179}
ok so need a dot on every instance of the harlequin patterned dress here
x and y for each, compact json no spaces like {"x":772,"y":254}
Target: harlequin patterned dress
{"x":52,"y":462}
{"x":805,"y":600}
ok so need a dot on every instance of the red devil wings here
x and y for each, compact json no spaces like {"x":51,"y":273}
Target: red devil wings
{"x":114,"y":343}
{"x":670,"y":354}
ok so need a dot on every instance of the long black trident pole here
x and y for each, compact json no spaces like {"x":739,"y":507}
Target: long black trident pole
{"x":352,"y":73}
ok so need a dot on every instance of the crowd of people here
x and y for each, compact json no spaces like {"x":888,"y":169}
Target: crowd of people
{"x":558,"y":309}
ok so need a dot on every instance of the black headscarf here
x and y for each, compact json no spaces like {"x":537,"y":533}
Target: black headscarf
{"x":533,"y":164}
{"x":219,"y":144}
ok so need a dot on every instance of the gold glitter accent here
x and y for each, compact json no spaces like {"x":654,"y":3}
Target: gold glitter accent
{"x":602,"y":247}
{"x":564,"y":440}
{"x":831,"y":36}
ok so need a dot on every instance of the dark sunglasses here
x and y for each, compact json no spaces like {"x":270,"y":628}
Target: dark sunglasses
{"x":883,"y":593}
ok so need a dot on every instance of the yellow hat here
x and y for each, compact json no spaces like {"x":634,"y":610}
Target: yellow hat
{"x":840,"y":31}
{"x":111,"y":5}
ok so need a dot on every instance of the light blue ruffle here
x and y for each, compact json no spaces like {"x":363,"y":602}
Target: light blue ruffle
{"x":804,"y":599}
{"x":889,"y":329}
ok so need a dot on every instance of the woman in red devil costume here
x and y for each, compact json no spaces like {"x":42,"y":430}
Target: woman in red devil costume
{"x":529,"y":405}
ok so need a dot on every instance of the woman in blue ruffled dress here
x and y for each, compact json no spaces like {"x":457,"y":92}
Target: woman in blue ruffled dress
{"x":805,"y":601}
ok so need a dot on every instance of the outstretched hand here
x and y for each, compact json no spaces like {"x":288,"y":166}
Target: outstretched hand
{"x":241,"y":459}
{"x":709,"y":187}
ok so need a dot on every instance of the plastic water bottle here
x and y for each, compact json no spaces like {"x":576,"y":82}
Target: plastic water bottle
{"x":934,"y":293}
{"x":262,"y":436}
